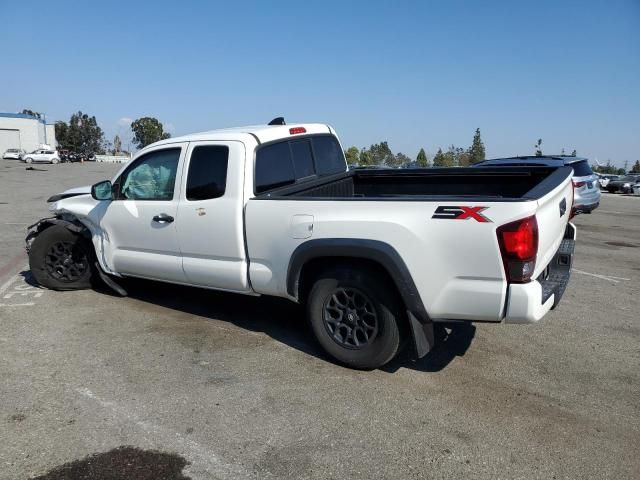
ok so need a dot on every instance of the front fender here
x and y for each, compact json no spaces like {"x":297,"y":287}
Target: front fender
{"x":41,"y":225}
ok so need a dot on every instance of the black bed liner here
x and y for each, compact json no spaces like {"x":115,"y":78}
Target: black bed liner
{"x":497,"y":184}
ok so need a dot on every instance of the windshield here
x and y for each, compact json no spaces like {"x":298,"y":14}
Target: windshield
{"x":628,"y":178}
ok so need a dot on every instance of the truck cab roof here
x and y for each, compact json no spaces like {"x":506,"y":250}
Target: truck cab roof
{"x":259,"y":133}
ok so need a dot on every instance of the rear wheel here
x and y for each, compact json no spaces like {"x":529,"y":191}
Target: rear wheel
{"x":354,"y":315}
{"x":28,"y":160}
{"x":61,"y":260}
{"x":54,"y":160}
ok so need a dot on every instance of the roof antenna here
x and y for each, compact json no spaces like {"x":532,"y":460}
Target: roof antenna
{"x":277,"y":121}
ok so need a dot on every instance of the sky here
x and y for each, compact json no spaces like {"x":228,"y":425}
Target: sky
{"x":413,"y":73}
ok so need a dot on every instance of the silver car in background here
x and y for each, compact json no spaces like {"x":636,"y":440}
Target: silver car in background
{"x":14,"y":153}
{"x":42,"y":155}
{"x":586,"y":185}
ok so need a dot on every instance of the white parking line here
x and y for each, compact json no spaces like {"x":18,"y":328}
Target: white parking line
{"x":603,"y":277}
{"x":8,"y":283}
{"x":24,"y":291}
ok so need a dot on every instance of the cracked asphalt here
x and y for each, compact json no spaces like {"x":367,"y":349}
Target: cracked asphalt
{"x":237,"y":387}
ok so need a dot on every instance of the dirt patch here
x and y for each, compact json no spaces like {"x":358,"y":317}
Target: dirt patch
{"x":122,"y":463}
{"x":622,"y":244}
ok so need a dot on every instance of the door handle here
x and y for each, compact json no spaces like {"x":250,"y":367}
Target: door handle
{"x":163,"y":218}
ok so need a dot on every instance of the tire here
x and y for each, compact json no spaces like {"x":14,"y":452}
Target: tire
{"x":375,"y":337}
{"x":28,"y":160}
{"x":61,"y":260}
{"x":54,"y":161}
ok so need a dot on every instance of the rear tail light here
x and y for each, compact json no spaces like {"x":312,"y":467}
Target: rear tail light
{"x":519,"y":246}
{"x":295,"y":130}
{"x":578,"y":184}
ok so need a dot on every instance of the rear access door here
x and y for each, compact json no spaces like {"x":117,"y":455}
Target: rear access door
{"x":211,"y":230}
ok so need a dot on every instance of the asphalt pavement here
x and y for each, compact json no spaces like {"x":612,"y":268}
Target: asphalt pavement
{"x":216,"y":385}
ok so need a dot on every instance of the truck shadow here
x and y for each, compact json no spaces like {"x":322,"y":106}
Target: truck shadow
{"x":284,"y":321}
{"x":452,"y":340}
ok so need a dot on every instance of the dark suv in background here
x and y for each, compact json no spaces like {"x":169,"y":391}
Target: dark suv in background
{"x":624,"y":183}
{"x":586,"y":187}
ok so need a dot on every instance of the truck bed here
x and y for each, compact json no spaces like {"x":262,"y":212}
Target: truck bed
{"x":497,"y":184}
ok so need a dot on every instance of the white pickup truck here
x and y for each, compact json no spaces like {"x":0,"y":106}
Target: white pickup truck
{"x":374,"y":255}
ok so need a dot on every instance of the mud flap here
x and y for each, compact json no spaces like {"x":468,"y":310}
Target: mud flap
{"x":422,"y":334}
{"x":108,"y":281}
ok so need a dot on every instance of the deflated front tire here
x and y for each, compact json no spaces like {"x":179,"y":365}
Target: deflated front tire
{"x":61,"y":260}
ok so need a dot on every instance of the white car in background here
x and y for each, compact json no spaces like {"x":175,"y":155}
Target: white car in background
{"x":42,"y":156}
{"x":605,"y":179}
{"x":14,"y":153}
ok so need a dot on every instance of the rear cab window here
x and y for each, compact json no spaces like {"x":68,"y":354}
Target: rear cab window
{"x":286,"y":162}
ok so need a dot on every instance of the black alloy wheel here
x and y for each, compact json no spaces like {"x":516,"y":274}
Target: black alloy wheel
{"x":66,"y":262}
{"x":350,"y":318}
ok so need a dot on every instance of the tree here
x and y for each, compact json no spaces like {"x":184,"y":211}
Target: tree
{"x":147,"y":130}
{"x":82,"y":134}
{"x":451,"y":156}
{"x":352,"y":154}
{"x":461,"y":157}
{"x":62,"y":133}
{"x":636,"y":167}
{"x":26,"y":111}
{"x":608,"y":168}
{"x":422,"y":160}
{"x":439,"y":160}
{"x":365,"y":158}
{"x":381,"y":154}
{"x":401,"y":160}
{"x":117,"y":144}
{"x":620,"y":171}
{"x":476,"y":152}
{"x":538,"y":147}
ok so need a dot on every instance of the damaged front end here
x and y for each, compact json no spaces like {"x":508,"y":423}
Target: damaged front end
{"x":72,"y":225}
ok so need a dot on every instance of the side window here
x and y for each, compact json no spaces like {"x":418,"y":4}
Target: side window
{"x":274,"y":167}
{"x":302,"y":159}
{"x":207,"y":176}
{"x":329,"y":155}
{"x":151,"y":177}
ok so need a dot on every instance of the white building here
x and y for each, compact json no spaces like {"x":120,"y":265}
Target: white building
{"x":18,"y":130}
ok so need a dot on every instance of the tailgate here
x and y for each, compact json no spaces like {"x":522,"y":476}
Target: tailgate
{"x":552,"y":215}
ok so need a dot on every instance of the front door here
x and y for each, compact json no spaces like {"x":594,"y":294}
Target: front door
{"x":211,"y":214}
{"x":140,"y":223}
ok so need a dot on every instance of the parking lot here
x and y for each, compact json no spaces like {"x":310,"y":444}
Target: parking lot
{"x":235,"y":387}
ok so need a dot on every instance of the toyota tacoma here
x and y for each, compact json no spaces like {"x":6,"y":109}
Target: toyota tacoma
{"x":375,"y":256}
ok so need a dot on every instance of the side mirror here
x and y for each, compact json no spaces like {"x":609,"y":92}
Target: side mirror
{"x":102,"y":190}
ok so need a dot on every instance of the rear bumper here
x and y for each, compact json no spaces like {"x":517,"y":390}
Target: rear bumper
{"x":585,"y":208}
{"x":529,"y":302}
